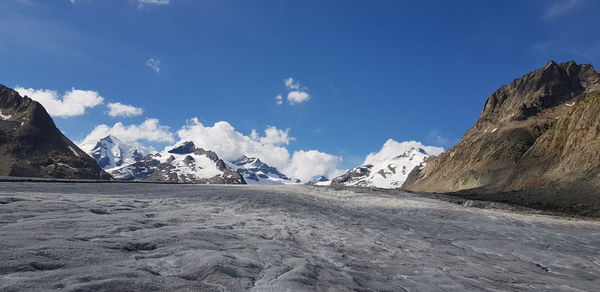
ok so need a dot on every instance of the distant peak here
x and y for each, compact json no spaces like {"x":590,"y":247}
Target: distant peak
{"x":184,"y":148}
{"x":111,"y":139}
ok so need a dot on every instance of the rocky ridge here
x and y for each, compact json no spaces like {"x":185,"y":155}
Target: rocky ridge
{"x":32,"y":146}
{"x":535,"y":143}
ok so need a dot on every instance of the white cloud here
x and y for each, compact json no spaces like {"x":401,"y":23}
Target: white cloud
{"x":308,"y":164}
{"x":117,"y":109}
{"x":392,"y":149}
{"x":149,"y":130}
{"x":275,"y":136}
{"x":72,"y":103}
{"x":154,"y":64}
{"x":295,"y":97}
{"x":296,"y":92}
{"x":292,"y":84}
{"x":142,"y":3}
{"x":230,"y":144}
{"x":560,"y":7}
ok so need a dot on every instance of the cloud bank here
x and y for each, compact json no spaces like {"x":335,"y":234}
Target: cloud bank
{"x":117,"y":109}
{"x":150,"y":130}
{"x":72,"y":103}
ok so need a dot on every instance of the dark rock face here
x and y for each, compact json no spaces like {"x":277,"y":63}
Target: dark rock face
{"x":138,"y":171}
{"x":537,"y":136}
{"x":32,"y":146}
{"x":185,"y":148}
{"x":351,"y":175}
{"x":414,"y":175}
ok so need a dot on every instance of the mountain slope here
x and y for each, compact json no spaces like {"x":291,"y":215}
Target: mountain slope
{"x":255,"y":171}
{"x":184,"y":163}
{"x":110,"y":152}
{"x":386,"y":173}
{"x":32,"y":146}
{"x":536,"y":142}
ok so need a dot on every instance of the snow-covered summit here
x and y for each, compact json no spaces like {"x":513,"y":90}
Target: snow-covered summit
{"x":255,"y":171}
{"x":389,"y":167}
{"x":183,"y":163}
{"x":110,"y":152}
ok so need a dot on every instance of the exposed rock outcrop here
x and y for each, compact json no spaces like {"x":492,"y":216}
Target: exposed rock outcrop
{"x":537,"y":142}
{"x":32,"y":146}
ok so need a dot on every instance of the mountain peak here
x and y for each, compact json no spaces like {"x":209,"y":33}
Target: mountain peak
{"x":111,"y":139}
{"x":551,"y":64}
{"x":536,"y":135}
{"x":255,"y":171}
{"x":186,"y":147}
{"x":389,"y":168}
{"x":537,"y":91}
{"x":110,"y":151}
{"x":31,"y":145}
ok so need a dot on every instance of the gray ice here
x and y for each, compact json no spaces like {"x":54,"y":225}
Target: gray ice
{"x":146,"y":237}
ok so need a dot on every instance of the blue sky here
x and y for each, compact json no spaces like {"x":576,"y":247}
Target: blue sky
{"x":373,"y":70}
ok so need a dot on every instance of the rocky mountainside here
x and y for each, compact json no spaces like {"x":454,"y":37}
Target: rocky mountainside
{"x":110,"y":152}
{"x":255,"y":171}
{"x":185,"y":163}
{"x":388,"y":173}
{"x":32,"y":146}
{"x":537,"y":142}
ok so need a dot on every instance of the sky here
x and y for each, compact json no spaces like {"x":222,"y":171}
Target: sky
{"x":310,"y":86}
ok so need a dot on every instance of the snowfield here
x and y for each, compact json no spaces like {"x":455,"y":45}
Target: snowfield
{"x":146,"y":237}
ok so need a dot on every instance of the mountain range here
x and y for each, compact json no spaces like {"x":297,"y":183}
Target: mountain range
{"x":182,"y":163}
{"x":130,"y":161}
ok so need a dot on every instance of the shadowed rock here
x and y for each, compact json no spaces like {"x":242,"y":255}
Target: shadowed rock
{"x":32,"y":146}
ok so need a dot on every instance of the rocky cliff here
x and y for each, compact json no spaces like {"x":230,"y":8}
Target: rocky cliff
{"x":535,"y":143}
{"x":32,"y":146}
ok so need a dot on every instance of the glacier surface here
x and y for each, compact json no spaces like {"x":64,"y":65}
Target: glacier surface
{"x":145,"y":237}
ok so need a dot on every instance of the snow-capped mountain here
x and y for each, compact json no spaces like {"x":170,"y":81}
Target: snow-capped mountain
{"x":184,"y":163}
{"x":319,"y":181}
{"x":382,"y":172}
{"x":255,"y":171}
{"x":110,"y":152}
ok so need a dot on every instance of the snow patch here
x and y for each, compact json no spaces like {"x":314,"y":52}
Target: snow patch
{"x":4,"y":117}
{"x":73,"y":150}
